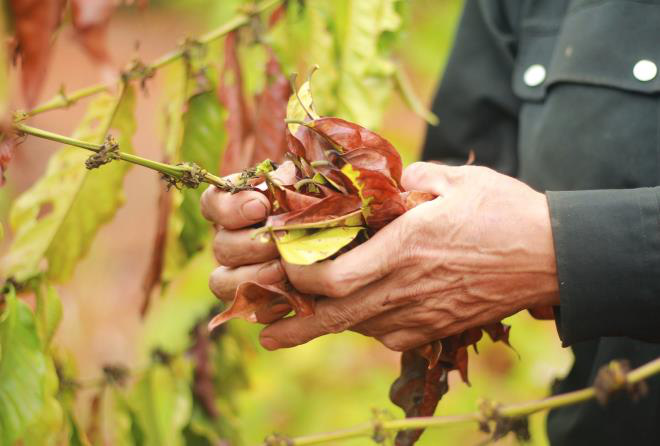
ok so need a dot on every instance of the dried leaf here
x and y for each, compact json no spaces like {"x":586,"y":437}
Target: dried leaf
{"x":35,"y":22}
{"x":270,"y":136}
{"x":373,"y":152}
{"x":90,"y":20}
{"x":332,"y":210}
{"x":304,"y":247}
{"x":240,"y":143}
{"x":154,"y":271}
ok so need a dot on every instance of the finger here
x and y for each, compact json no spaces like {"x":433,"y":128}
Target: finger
{"x":330,"y":316}
{"x":409,"y":316}
{"x":275,"y":310}
{"x":234,"y":211}
{"x":362,"y":265}
{"x":405,"y":339}
{"x":224,"y":281}
{"x":239,"y":247}
{"x":429,"y":177}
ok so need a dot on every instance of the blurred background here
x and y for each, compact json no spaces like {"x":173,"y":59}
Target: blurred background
{"x":327,"y":384}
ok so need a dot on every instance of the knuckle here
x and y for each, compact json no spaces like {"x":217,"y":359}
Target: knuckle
{"x":336,"y":320}
{"x":218,"y":284}
{"x":338,"y":282}
{"x":222,"y":250}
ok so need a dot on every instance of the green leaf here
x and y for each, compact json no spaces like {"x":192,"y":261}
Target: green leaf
{"x":48,"y":312}
{"x":49,"y":423}
{"x":303,"y":247}
{"x":186,"y":301}
{"x":322,"y":51}
{"x":203,"y":143}
{"x":162,"y":403}
{"x":23,"y":370}
{"x":57,"y":218}
{"x":365,"y":75}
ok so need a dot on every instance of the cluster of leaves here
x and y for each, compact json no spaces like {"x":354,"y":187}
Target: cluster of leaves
{"x":339,"y":184}
{"x":216,"y":115}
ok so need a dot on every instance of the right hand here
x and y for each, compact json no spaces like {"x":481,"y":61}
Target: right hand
{"x":241,"y":257}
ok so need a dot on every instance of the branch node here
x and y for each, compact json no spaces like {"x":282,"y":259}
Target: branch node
{"x":108,"y":152}
{"x":276,"y":439}
{"x":192,"y":176}
{"x":490,"y":413}
{"x":613,"y":378}
{"x":137,"y":69}
{"x":115,"y":374}
{"x":381,"y":435}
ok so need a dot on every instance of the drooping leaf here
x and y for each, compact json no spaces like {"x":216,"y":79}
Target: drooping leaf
{"x":48,"y":312}
{"x":271,"y":108}
{"x":156,"y":263}
{"x":162,"y":403}
{"x":240,"y":141}
{"x":35,"y":22}
{"x":58,"y":217}
{"x":90,"y":20}
{"x":304,"y":247}
{"x":203,"y":139}
{"x":186,"y":301}
{"x":365,"y":76}
{"x":23,"y":370}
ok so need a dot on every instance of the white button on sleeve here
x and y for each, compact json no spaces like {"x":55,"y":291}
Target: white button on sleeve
{"x":534,"y":75}
{"x":645,"y":70}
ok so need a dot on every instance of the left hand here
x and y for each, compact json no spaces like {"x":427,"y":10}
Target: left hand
{"x":481,"y":251}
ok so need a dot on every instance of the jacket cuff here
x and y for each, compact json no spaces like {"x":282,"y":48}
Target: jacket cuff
{"x":607,"y":244}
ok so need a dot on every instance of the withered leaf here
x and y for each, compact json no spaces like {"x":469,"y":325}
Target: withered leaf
{"x":240,"y":141}
{"x":331,"y":208}
{"x":90,"y":20}
{"x":35,"y":22}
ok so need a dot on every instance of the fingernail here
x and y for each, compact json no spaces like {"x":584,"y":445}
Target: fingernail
{"x":254,"y":210}
{"x":270,"y":273}
{"x":269,"y":343}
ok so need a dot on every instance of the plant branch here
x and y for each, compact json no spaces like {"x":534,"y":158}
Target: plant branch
{"x":517,"y":410}
{"x":179,"y":172}
{"x":63,"y":100}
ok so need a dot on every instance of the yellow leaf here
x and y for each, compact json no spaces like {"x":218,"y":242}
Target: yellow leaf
{"x":303,"y":247}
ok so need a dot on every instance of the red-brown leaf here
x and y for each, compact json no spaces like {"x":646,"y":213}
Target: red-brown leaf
{"x":376,"y":152}
{"x":385,"y":201}
{"x":251,"y":297}
{"x":154,"y":271}
{"x":7,"y":146}
{"x":269,"y":126}
{"x":240,"y":142}
{"x":90,"y":21}
{"x":329,"y":208}
{"x":35,"y":22}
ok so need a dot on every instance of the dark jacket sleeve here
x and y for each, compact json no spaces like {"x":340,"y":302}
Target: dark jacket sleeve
{"x":607,"y":244}
{"x":475,"y":103}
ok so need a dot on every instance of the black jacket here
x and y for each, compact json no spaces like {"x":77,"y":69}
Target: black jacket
{"x":565,"y":95}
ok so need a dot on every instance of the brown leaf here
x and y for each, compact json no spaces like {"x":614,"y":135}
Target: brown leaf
{"x":240,"y":142}
{"x":203,"y":387}
{"x":290,"y":200}
{"x":329,"y":208}
{"x":154,"y":271}
{"x":90,"y":21}
{"x":8,"y":143}
{"x":417,"y":391}
{"x":251,"y":297}
{"x":269,"y":126}
{"x":375,"y":152}
{"x":35,"y":22}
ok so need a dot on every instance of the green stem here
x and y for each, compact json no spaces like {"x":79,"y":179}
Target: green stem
{"x":176,"y":172}
{"x":64,"y":100}
{"x":511,"y":411}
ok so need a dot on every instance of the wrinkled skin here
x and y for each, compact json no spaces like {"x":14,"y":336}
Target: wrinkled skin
{"x":478,"y":253}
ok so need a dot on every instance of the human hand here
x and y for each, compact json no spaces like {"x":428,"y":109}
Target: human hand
{"x":241,"y":257}
{"x":481,"y":251}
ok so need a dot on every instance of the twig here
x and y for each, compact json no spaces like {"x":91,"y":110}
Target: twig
{"x":518,"y":410}
{"x":179,"y":173}
{"x":63,"y":100}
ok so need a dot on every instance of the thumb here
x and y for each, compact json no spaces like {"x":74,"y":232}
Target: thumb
{"x":429,"y":177}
